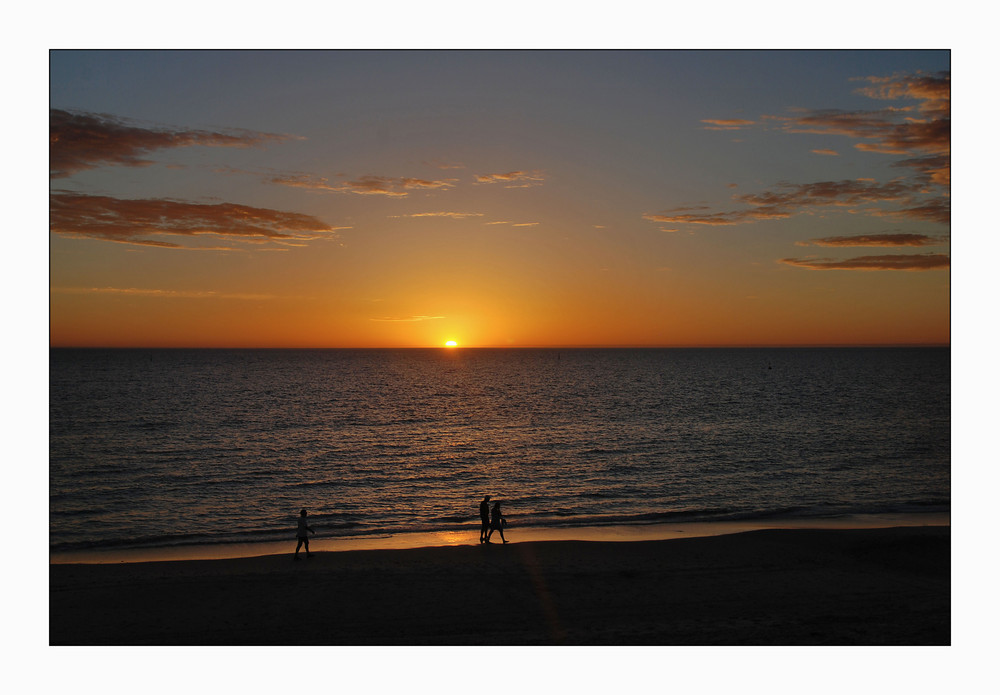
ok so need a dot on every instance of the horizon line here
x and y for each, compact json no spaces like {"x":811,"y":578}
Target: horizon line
{"x":747,"y":346}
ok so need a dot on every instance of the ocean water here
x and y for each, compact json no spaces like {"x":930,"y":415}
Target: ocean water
{"x":154,"y":448}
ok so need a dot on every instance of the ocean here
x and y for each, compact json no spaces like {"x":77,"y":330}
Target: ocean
{"x":153,"y":448}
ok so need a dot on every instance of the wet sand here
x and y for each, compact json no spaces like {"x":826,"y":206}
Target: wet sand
{"x":769,"y":587}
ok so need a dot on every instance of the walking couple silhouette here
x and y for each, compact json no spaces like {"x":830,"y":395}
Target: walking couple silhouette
{"x":492,"y":520}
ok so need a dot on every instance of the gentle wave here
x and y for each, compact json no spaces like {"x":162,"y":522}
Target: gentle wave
{"x":348,"y":529}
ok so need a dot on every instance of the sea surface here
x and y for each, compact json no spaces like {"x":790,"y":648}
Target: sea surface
{"x":157,"y":448}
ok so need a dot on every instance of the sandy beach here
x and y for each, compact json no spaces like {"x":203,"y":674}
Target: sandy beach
{"x":889,"y":586}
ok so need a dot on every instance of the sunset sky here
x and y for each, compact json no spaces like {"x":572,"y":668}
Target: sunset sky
{"x":499,"y":198}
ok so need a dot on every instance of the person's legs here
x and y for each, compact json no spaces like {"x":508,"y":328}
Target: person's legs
{"x":299,"y":545}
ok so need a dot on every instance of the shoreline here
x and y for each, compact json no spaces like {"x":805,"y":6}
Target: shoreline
{"x":854,"y":586}
{"x":469,"y":536}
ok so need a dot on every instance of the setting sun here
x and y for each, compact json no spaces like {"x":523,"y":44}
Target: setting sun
{"x":451,"y":343}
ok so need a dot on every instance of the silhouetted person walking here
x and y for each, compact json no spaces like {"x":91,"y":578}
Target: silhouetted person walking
{"x":484,"y":517}
{"x":496,"y":522}
{"x":303,"y":534}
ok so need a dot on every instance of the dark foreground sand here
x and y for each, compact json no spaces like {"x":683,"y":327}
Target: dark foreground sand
{"x":773,"y":587}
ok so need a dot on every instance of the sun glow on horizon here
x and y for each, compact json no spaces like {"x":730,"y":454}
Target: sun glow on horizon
{"x":451,"y":343}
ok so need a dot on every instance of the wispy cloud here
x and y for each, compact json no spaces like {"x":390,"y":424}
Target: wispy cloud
{"x":440,"y":164}
{"x":163,"y":294}
{"x":726,"y":123}
{"x":399,"y":186}
{"x":929,"y":261}
{"x":791,"y":199}
{"x":79,"y":141}
{"x":513,"y":179}
{"x":922,"y":131}
{"x":308,"y":181}
{"x":932,"y":90}
{"x":453,"y":215}
{"x":846,"y":193}
{"x":406,"y":319}
{"x":919,"y":131}
{"x":365,"y":185}
{"x":129,"y":221}
{"x":513,"y":224}
{"x":936,"y":210}
{"x":384,"y":185}
{"x":884,"y":240}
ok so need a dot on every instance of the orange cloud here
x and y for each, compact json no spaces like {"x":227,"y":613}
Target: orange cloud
{"x":383,"y":185}
{"x":921,"y":132}
{"x":307,"y":181}
{"x":514,"y":179}
{"x":929,"y":261}
{"x":899,"y":131}
{"x":365,"y":185}
{"x":885,"y":240}
{"x":716,"y":219}
{"x":453,"y":215}
{"x":114,"y":219}
{"x":79,"y":141}
{"x":936,"y":168}
{"x":933,"y":91}
{"x":938,"y":210}
{"x":726,"y":123}
{"x":445,"y":165}
{"x":162,"y":294}
{"x":514,"y":224}
{"x":792,"y":199}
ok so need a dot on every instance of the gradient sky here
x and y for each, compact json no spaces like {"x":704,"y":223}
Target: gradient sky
{"x":554,"y":198}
